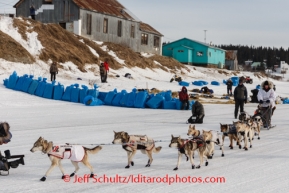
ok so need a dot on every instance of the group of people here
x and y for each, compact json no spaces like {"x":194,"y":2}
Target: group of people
{"x":103,"y":69}
{"x":265,"y":96}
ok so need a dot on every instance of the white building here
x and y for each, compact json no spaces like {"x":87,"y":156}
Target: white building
{"x":283,"y":68}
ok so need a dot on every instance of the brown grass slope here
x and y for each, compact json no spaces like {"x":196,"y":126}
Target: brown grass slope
{"x":63,"y":46}
{"x":12,"y":51}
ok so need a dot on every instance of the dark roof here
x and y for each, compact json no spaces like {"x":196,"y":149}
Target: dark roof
{"x":109,"y":7}
{"x":147,"y":28}
{"x":18,"y":3}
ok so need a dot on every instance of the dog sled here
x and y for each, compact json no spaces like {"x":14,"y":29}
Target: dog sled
{"x":266,"y":114}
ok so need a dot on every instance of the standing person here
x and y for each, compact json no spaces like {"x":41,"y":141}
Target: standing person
{"x":198,"y":112}
{"x":240,"y":96}
{"x":53,"y":71}
{"x":266,"y":97}
{"x":229,"y":86}
{"x":102,"y":72}
{"x":106,"y":66}
{"x":32,"y":12}
{"x":184,"y":98}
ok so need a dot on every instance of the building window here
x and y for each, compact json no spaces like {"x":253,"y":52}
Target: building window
{"x":199,"y":53}
{"x":210,"y":54}
{"x":119,"y":27}
{"x":144,"y":39}
{"x":88,"y":24}
{"x":156,"y":41}
{"x":132,"y":31}
{"x":180,"y":50}
{"x":105,"y":26}
{"x":47,"y":2}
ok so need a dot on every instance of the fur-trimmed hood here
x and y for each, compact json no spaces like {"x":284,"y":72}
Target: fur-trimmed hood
{"x":271,"y":85}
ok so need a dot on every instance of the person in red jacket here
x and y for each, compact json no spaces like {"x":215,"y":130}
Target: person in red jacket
{"x":184,"y":98}
{"x":106,"y":66}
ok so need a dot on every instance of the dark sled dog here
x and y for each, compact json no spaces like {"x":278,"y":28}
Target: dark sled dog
{"x":187,"y":147}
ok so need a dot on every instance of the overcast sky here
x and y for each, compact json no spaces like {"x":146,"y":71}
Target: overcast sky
{"x":244,"y":22}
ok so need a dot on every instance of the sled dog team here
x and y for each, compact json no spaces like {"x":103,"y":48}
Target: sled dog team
{"x":203,"y":142}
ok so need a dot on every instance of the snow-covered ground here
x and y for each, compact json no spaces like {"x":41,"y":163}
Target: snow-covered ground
{"x":261,"y":169}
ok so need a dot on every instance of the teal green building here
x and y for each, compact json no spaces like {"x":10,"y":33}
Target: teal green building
{"x":196,"y":53}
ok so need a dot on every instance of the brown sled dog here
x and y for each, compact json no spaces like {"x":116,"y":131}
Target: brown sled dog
{"x":56,"y":153}
{"x":244,"y":130}
{"x":210,"y":137}
{"x":231,"y":133}
{"x":187,"y":147}
{"x":132,"y":143}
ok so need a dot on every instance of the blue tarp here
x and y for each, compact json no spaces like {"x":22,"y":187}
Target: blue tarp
{"x":67,"y":93}
{"x":33,"y":86}
{"x":109,"y":97}
{"x":92,"y":101}
{"x":26,"y":83}
{"x":286,"y":101}
{"x":12,"y":80}
{"x":140,"y":99}
{"x":198,"y":83}
{"x":74,"y":97}
{"x":204,"y":82}
{"x":123,"y":100}
{"x":20,"y":81}
{"x":155,"y":102}
{"x":215,"y":83}
{"x":117,"y":98}
{"x":131,"y":99}
{"x":102,"y":95}
{"x":170,"y":105}
{"x":48,"y":91}
{"x":41,"y":87}
{"x":83,"y":93}
{"x":183,"y":83}
{"x":58,"y":91}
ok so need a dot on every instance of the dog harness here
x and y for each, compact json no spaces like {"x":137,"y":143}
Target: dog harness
{"x":72,"y":152}
{"x":140,"y":140}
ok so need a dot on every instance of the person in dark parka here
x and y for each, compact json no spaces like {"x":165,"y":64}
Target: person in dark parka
{"x":198,"y":112}
{"x":229,"y":87}
{"x":254,"y":98}
{"x":103,"y":73}
{"x":240,"y":97}
{"x":53,"y":71}
{"x":184,"y":98}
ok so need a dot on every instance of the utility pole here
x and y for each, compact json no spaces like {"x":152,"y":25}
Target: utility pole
{"x":205,"y":34}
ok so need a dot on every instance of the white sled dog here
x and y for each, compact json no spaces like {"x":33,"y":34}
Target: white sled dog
{"x":132,"y":143}
{"x":56,"y":153}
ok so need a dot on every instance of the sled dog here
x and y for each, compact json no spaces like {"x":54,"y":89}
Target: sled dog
{"x":256,"y":123}
{"x":132,"y":143}
{"x":230,"y":131}
{"x":187,"y":147}
{"x":211,"y":138}
{"x":244,"y":130}
{"x":56,"y":153}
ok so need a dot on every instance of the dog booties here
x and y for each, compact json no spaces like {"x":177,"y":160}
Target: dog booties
{"x":72,"y":152}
